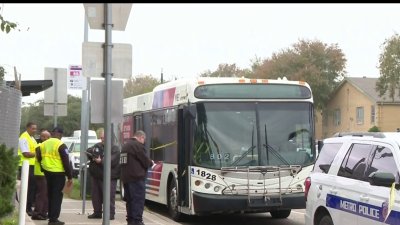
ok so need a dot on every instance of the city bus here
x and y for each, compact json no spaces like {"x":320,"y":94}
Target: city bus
{"x":225,"y":144}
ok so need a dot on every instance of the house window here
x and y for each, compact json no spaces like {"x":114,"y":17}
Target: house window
{"x":360,"y":115}
{"x":336,"y":117}
{"x":372,"y":114}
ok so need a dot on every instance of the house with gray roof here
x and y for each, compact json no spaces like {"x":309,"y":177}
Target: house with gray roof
{"x":355,"y":105}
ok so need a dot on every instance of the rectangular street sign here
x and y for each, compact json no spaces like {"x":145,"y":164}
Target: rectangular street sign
{"x":119,"y":15}
{"x":76,"y":80}
{"x":61,"y":109}
{"x":92,"y":60}
{"x":59,"y":78}
{"x":98,"y":98}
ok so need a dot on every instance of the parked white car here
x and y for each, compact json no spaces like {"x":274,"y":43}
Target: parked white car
{"x":74,"y":147}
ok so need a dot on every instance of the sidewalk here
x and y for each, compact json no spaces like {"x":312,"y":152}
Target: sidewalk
{"x":71,"y":214}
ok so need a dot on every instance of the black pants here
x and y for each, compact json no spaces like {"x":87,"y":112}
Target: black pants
{"x":30,"y":198}
{"x":55,"y":185}
{"x":97,"y":196}
{"x":135,"y":193}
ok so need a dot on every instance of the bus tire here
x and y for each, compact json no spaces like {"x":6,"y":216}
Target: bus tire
{"x":280,"y":214}
{"x":172,"y":201}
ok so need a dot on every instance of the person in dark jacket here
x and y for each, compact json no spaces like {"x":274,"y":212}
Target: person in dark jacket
{"x":96,"y":155}
{"x":134,"y":165}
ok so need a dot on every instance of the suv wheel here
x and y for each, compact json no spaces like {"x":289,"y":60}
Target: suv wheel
{"x":326,"y":220}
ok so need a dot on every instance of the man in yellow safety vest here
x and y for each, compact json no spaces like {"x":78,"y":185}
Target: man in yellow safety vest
{"x":53,"y":156}
{"x":26,"y":151}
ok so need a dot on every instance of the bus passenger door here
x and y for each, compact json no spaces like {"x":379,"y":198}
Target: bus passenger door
{"x":185,"y":139}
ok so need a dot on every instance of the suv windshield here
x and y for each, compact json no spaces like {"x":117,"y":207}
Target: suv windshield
{"x":253,"y":134}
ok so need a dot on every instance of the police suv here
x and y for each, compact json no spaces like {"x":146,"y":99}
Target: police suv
{"x":355,"y":181}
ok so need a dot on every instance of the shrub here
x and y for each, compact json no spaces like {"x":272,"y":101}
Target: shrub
{"x":8,"y":175}
{"x":374,"y":129}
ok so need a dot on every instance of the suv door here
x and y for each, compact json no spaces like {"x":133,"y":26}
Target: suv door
{"x":348,"y":186}
{"x":375,"y":203}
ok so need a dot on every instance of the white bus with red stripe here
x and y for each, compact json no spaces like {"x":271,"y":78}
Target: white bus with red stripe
{"x":226,"y":145}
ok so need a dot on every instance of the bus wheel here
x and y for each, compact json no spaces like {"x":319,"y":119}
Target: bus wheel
{"x":173,"y":201}
{"x":280,"y":214}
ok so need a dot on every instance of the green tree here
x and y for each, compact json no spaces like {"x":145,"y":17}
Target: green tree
{"x":2,"y":73}
{"x":321,"y":65}
{"x":5,"y":25}
{"x":140,"y":85}
{"x":389,"y":67}
{"x":226,"y":70}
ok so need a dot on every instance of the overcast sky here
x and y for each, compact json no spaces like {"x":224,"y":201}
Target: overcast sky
{"x":185,"y":40}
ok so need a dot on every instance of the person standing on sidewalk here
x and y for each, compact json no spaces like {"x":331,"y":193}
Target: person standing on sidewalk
{"x":26,"y":151}
{"x":96,"y":155}
{"x":41,"y":201}
{"x":134,"y":165}
{"x":53,"y":156}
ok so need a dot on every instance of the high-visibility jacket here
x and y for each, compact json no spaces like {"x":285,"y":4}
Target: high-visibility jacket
{"x":37,"y":170}
{"x":32,"y":144}
{"x":51,"y":159}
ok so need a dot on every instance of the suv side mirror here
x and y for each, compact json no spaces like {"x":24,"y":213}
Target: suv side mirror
{"x":381,"y":179}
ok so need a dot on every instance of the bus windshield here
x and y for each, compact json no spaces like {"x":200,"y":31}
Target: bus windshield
{"x":233,"y":134}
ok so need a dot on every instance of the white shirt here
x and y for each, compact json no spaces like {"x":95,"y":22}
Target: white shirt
{"x":23,"y":145}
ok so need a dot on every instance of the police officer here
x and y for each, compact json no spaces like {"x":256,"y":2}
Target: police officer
{"x":134,"y":165}
{"x":53,"y":156}
{"x":96,"y":167}
{"x":26,"y":151}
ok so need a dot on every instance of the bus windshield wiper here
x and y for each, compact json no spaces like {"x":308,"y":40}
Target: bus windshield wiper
{"x":247,"y":151}
{"x":243,"y":155}
{"x":269,"y":148}
{"x":273,"y":151}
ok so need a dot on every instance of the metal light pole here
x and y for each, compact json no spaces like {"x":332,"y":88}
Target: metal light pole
{"x":107,"y":113}
{"x":84,"y":128}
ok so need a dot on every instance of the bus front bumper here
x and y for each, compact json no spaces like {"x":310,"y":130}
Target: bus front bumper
{"x":207,"y":203}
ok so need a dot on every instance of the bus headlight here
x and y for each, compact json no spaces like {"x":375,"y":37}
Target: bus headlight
{"x":207,"y":185}
{"x":217,"y":188}
{"x":197,"y":182}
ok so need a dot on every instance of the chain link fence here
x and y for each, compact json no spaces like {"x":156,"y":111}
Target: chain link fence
{"x":10,"y":116}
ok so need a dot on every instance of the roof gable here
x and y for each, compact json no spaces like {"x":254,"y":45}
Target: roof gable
{"x":366,"y":85}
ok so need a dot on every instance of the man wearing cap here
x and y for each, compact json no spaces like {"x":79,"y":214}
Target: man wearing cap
{"x":54,"y":159}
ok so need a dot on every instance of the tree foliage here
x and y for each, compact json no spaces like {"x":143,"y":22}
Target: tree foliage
{"x":2,"y":73}
{"x":8,"y":173}
{"x":319,"y":64}
{"x":5,"y":25}
{"x":227,"y":70}
{"x":140,"y":85}
{"x":35,"y":113}
{"x":389,"y":67}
